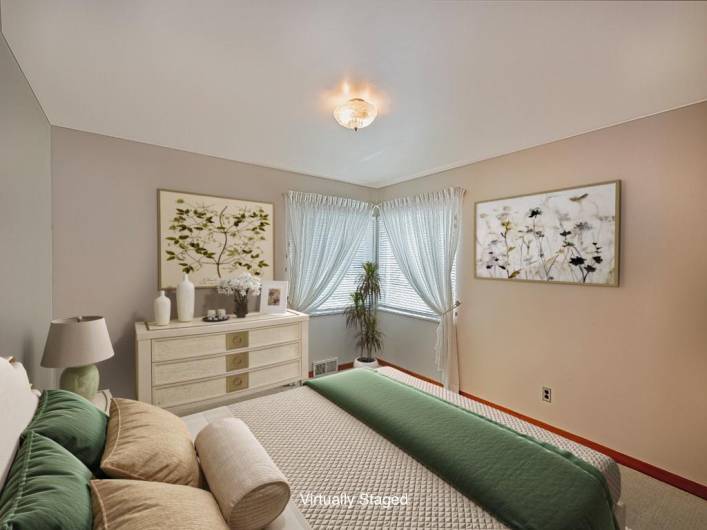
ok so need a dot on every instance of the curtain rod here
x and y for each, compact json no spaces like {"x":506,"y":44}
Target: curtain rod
{"x":377,"y":205}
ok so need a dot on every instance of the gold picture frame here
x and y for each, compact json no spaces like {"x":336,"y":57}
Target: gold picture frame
{"x":589,"y":210}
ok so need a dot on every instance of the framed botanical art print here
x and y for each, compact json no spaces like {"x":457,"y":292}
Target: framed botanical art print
{"x":273,"y":297}
{"x":212,"y":238}
{"x":562,"y":236}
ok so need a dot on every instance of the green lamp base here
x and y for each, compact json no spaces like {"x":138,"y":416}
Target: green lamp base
{"x":81,"y":380}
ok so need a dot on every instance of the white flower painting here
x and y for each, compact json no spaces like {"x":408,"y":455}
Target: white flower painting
{"x":564,"y":236}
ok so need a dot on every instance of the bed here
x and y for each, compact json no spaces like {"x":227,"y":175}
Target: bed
{"x":325,"y":451}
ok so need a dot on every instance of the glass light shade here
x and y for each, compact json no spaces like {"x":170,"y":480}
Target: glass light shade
{"x":355,"y":114}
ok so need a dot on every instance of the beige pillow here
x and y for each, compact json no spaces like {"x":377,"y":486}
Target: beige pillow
{"x":145,"y":442}
{"x":134,"y":504}
{"x":249,"y":488}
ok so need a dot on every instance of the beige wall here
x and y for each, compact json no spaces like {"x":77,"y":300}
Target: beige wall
{"x":628,"y":365}
{"x":105,"y":232}
{"x":25,"y":220}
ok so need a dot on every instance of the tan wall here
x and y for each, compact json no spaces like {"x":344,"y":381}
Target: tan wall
{"x":105,"y":232}
{"x":628,"y":365}
{"x":25,"y":221}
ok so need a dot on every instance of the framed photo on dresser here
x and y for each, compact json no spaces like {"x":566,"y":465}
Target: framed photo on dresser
{"x":273,"y":296}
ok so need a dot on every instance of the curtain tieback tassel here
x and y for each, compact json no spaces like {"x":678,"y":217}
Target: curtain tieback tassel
{"x":456,"y":304}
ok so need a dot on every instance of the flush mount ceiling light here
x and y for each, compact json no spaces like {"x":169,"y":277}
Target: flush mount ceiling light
{"x":355,"y":114}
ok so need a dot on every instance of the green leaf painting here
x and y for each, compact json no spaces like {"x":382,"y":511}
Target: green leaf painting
{"x":212,"y":238}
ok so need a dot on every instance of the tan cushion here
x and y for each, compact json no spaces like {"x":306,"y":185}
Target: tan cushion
{"x":247,"y":484}
{"x":136,"y":505}
{"x":145,"y":442}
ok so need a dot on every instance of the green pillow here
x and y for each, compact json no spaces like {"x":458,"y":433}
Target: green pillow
{"x":47,"y":487}
{"x":74,"y":423}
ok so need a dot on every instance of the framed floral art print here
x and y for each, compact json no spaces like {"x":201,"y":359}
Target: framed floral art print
{"x":562,"y":236}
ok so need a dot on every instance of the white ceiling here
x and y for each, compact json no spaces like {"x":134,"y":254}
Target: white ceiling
{"x":257,"y":81}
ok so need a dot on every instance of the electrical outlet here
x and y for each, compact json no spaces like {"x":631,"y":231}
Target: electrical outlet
{"x":547,"y":394}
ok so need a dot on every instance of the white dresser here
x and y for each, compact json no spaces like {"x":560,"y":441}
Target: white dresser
{"x":186,"y":367}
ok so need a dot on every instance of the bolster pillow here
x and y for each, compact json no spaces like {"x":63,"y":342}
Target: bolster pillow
{"x":251,"y":491}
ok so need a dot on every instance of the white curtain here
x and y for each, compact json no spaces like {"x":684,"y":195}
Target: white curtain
{"x":323,"y":235}
{"x":424,"y":233}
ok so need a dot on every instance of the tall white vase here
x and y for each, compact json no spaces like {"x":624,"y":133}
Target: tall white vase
{"x":185,"y":300}
{"x":163,"y":308}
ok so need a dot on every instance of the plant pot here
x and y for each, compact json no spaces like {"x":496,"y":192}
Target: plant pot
{"x":359,"y":363}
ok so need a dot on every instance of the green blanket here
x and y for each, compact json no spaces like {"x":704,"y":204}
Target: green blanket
{"x":524,"y":483}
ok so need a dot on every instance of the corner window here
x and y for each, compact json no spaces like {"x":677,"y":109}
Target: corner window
{"x":397,"y":294}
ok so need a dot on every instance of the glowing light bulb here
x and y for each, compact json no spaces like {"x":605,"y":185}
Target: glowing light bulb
{"x":355,"y":114}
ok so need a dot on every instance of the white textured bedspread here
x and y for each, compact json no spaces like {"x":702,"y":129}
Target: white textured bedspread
{"x":343,"y":474}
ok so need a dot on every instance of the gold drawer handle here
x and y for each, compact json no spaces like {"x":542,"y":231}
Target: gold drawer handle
{"x":237,"y":340}
{"x":237,"y":361}
{"x":236,"y":382}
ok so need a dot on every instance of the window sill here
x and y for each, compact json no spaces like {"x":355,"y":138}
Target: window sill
{"x":327,"y":312}
{"x":385,"y":309}
{"x":411,"y":314}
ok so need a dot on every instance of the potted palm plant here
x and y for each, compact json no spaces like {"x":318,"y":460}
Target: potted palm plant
{"x":362,"y":315}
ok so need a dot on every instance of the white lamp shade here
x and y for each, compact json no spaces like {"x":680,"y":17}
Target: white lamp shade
{"x":77,"y":341}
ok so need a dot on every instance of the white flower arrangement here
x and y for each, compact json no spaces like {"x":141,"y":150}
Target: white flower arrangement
{"x":242,"y":285}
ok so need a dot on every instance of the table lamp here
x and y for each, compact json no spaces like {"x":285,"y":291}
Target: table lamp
{"x":76,"y":344}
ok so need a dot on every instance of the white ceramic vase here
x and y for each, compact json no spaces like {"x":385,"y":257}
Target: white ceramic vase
{"x":185,"y":300}
{"x":163,"y":309}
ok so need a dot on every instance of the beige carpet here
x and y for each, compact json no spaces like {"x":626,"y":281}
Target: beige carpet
{"x":653,"y":505}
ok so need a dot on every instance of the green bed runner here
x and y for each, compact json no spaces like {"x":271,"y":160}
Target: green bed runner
{"x":524,"y":483}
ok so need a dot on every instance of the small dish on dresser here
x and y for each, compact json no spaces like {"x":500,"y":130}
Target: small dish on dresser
{"x":216,"y":318}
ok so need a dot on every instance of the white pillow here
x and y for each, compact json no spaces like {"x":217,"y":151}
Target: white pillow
{"x":17,"y":405}
{"x":251,"y":491}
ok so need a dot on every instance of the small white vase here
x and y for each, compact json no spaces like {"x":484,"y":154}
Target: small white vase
{"x":185,"y":300}
{"x":163,"y":308}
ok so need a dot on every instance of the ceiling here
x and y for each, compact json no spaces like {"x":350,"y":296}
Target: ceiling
{"x":456,"y":82}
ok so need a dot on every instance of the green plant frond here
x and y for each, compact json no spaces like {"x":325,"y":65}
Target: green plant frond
{"x":369,"y":283}
{"x":361,"y":314}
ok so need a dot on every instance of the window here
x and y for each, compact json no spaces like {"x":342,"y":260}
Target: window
{"x":397,"y":294}
{"x":342,"y":296}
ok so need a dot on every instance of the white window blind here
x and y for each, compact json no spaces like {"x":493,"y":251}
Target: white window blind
{"x":342,"y":296}
{"x":397,"y":294}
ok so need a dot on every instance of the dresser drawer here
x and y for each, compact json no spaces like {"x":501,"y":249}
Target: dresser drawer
{"x":165,"y":374}
{"x":274,"y":335}
{"x":177,"y":372}
{"x":275,"y":354}
{"x":185,"y":347}
{"x":197,"y":391}
{"x":270,"y":376}
{"x":186,"y":393}
{"x":200,"y":345}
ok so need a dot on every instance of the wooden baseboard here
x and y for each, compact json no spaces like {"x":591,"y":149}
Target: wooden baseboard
{"x":344,"y":366}
{"x":682,"y":483}
{"x":383,"y":362}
